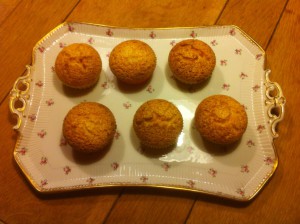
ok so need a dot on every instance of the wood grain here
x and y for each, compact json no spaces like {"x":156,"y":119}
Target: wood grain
{"x":274,"y":24}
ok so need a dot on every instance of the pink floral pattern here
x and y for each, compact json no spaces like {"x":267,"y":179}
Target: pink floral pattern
{"x":90,"y":180}
{"x":240,"y":191}
{"x":32,"y":117}
{"x":108,"y":54}
{"x":44,"y":183}
{"x":44,"y":160}
{"x":144,"y":179}
{"x":23,"y":151}
{"x":114,"y":165}
{"x":193,"y":34}
{"x":232,"y":32}
{"x":150,"y":89}
{"x":41,"y":49}
{"x":223,"y":62}
{"x":91,"y":40}
{"x":173,"y":43}
{"x":71,"y":28}
{"x":109,"y":33}
{"x":67,"y":170}
{"x":213,"y":172}
{"x":256,"y":87}
{"x":50,"y":102}
{"x":268,"y":161}
{"x":152,"y":35}
{"x":243,"y":75}
{"x":260,"y":128}
{"x":117,"y":135}
{"x":238,"y":51}
{"x":250,"y":143}
{"x":62,"y":45}
{"x":226,"y":86}
{"x":63,"y":142}
{"x":191,"y":183}
{"x":214,"y":43}
{"x":166,"y":166}
{"x":190,"y":149}
{"x":245,"y":169}
{"x":39,"y":83}
{"x":258,"y":56}
{"x":42,"y":133}
{"x":127,"y":105}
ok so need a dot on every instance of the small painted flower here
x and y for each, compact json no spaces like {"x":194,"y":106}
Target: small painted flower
{"x":44,"y":182}
{"x":109,"y":33}
{"x":225,"y":86}
{"x":39,"y":83}
{"x":127,"y":105}
{"x":258,"y":56}
{"x":245,"y":169}
{"x":191,"y":183}
{"x":105,"y":85}
{"x":243,"y":75}
{"x":150,"y":89}
{"x":62,"y":45}
{"x":67,"y":170}
{"x":260,"y":128}
{"x":117,"y":135}
{"x":240,"y":191}
{"x":173,"y":43}
{"x":212,"y":172}
{"x":190,"y":149}
{"x":91,"y":40}
{"x":115,"y":165}
{"x":63,"y":142}
{"x":193,"y":34}
{"x":32,"y":117}
{"x":223,"y":62}
{"x":50,"y":102}
{"x":268,"y":160}
{"x":23,"y":151}
{"x":71,"y":28}
{"x":256,"y":87}
{"x":152,"y":35}
{"x":214,"y":43}
{"x":41,"y":49}
{"x":232,"y":32}
{"x":108,"y":54}
{"x":250,"y":143}
{"x":90,"y":180}
{"x":42,"y":133}
{"x":165,"y":166}
{"x":44,"y":160}
{"x":144,"y":179}
{"x":238,"y":51}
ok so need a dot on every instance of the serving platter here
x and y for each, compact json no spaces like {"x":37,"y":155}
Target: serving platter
{"x":239,"y":171}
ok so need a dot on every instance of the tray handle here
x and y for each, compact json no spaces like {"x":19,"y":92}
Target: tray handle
{"x":275,"y":102}
{"x":19,"y":96}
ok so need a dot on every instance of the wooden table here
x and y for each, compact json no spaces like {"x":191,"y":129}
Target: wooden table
{"x":274,"y":24}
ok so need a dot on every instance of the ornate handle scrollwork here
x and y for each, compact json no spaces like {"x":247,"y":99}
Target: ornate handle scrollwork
{"x":19,"y":95}
{"x":275,"y":102}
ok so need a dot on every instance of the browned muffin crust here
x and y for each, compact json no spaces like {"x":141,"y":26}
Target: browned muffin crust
{"x":221,"y":119}
{"x":192,"y":61}
{"x":132,"y":62}
{"x":157,"y":123}
{"x":89,"y":127}
{"x":78,"y":66}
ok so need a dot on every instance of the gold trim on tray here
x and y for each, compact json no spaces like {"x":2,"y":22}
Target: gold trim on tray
{"x":20,"y":95}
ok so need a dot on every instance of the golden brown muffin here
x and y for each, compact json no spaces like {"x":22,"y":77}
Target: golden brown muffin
{"x":221,"y":119}
{"x":89,"y":127}
{"x":192,"y":61}
{"x":78,"y":66}
{"x":132,"y":62}
{"x":157,"y":123}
